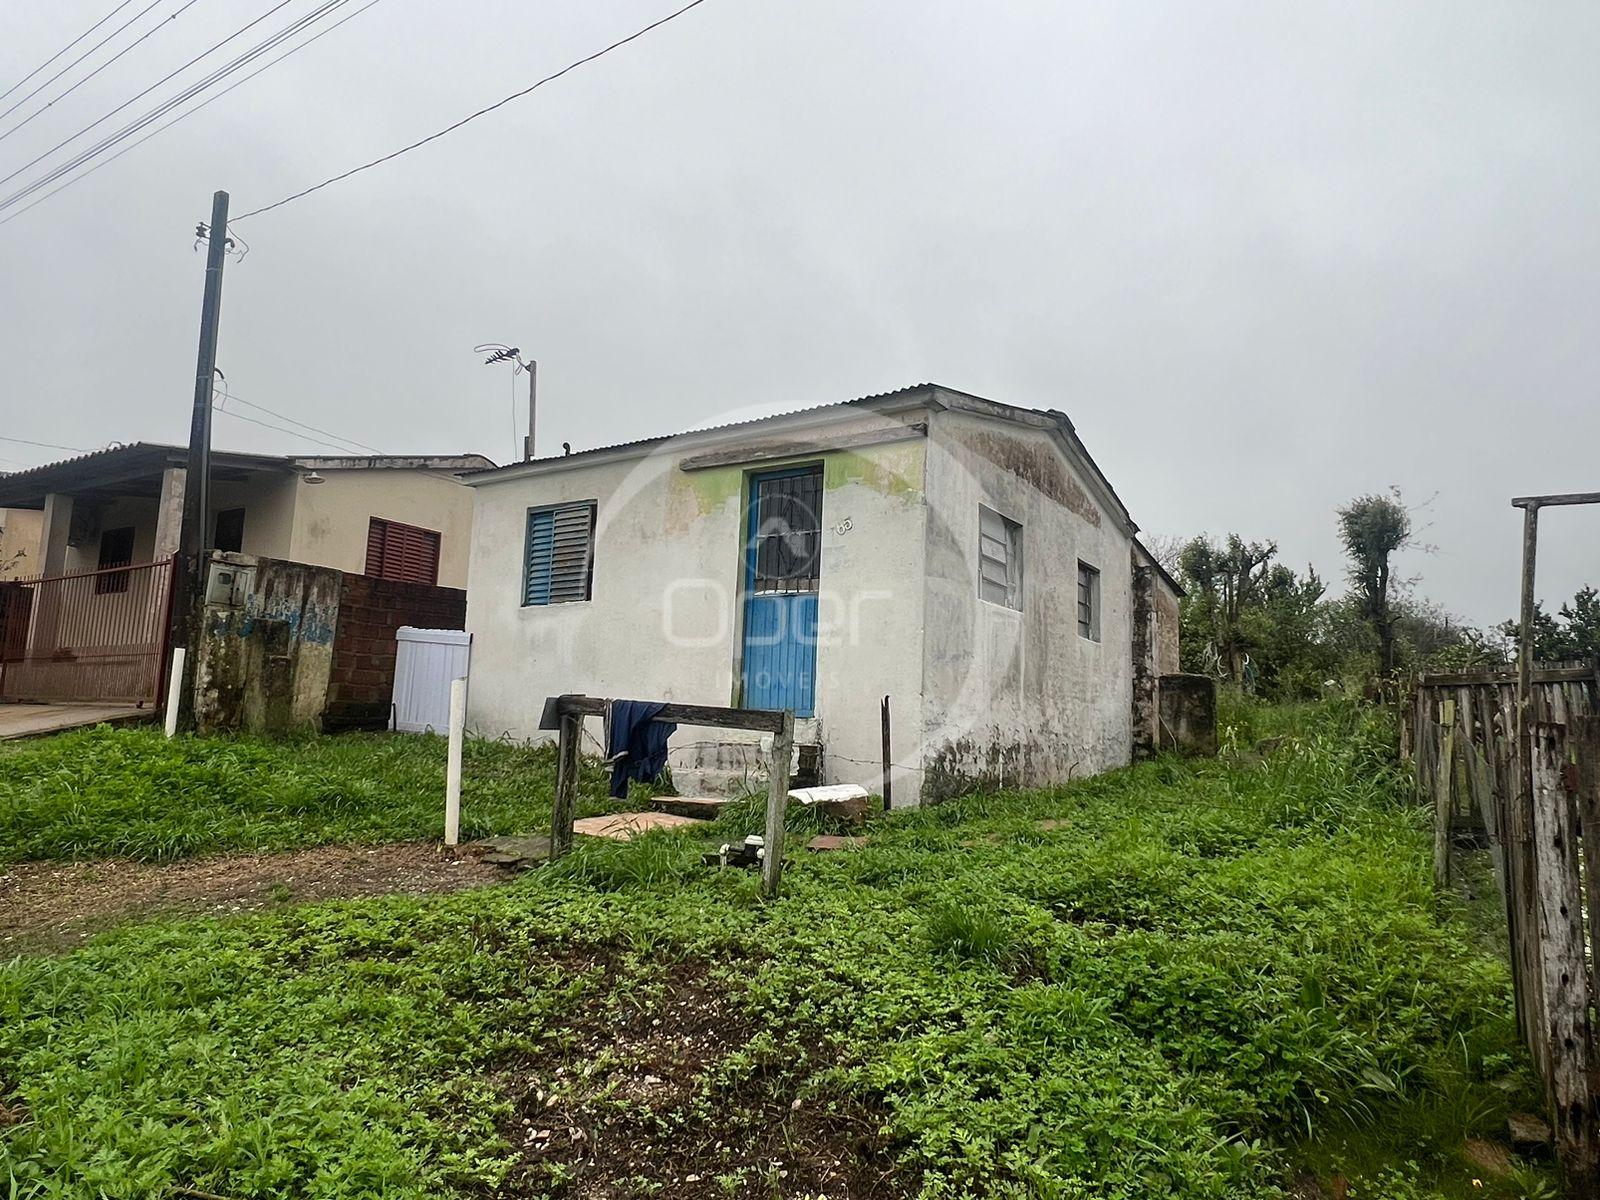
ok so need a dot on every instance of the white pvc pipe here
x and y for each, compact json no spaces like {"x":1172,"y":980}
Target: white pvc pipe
{"x":452,"y":774}
{"x":174,"y":687}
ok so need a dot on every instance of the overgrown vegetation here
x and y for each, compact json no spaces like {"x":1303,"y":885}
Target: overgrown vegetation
{"x":123,"y":792}
{"x":1184,"y":979}
{"x":1261,"y":626}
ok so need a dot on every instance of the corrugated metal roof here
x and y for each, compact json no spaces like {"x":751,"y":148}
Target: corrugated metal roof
{"x":667,"y":437}
{"x":1062,"y":423}
{"x":27,"y":487}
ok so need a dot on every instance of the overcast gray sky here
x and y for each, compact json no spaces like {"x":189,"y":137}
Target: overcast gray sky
{"x":1268,"y":256}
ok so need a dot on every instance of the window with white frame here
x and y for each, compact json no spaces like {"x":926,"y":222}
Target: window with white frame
{"x":999,"y":559}
{"x":1088,"y":601}
{"x":558,"y":565}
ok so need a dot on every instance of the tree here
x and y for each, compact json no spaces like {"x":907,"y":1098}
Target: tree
{"x":1224,"y":582}
{"x":1574,"y":633}
{"x":1372,"y":529}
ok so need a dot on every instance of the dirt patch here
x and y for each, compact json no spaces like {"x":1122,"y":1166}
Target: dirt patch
{"x":57,"y":905}
{"x":676,"y":1097}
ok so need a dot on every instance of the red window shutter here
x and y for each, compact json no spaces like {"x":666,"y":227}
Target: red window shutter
{"x":375,"y":530}
{"x":402,"y":552}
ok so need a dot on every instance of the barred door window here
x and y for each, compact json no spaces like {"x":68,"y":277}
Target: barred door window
{"x":788,"y":533}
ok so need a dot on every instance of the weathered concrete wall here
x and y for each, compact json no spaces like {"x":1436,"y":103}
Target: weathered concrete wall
{"x":664,"y":621}
{"x":1145,"y":715}
{"x":361,"y":686}
{"x":1019,"y":698}
{"x":330,"y":518}
{"x":263,"y":667}
{"x":1189,"y":714}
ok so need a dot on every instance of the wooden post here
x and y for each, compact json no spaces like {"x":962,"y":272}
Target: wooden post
{"x":1443,"y":779}
{"x":777,"y":806}
{"x":566,"y":802}
{"x":1565,"y":1018}
{"x":887,"y":763}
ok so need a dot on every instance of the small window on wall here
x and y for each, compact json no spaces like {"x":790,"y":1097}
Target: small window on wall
{"x":404,"y":553}
{"x":1088,"y":602}
{"x":558,"y":563}
{"x":116,"y":550}
{"x":230,"y":530}
{"x":999,"y":559}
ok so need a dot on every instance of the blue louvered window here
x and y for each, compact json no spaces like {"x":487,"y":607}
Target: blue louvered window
{"x":559,"y":563}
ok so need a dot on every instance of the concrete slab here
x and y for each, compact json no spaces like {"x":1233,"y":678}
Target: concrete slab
{"x":34,"y":720}
{"x":517,"y":853}
{"x":622,"y":827}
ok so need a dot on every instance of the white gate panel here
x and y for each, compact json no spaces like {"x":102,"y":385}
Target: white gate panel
{"x":426,"y":660}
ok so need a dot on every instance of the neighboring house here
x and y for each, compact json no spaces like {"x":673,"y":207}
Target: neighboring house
{"x":92,"y":620}
{"x":394,"y":517}
{"x":963,"y":557}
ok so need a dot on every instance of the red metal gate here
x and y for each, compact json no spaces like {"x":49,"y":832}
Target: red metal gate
{"x":93,"y":636}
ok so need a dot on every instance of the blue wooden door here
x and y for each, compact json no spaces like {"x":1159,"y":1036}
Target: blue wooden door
{"x":783,"y":563}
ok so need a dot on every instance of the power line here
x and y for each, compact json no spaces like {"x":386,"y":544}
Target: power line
{"x":229,"y":395}
{"x":292,"y":433}
{"x":65,"y":48}
{"x":79,"y":59}
{"x":141,"y":95}
{"x":168,"y":105}
{"x":44,"y":445}
{"x":153,"y":30}
{"x":107,"y":161}
{"x":472,"y":116}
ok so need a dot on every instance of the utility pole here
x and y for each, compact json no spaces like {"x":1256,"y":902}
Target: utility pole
{"x":532,"y":366}
{"x":193,"y":537}
{"x":499,"y":352}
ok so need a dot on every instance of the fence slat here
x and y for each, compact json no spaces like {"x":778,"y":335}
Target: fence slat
{"x":1565,"y":973}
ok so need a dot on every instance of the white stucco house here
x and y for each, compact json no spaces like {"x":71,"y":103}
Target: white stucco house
{"x":963,"y":557}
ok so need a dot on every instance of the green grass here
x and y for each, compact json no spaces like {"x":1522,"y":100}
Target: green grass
{"x":109,"y":792}
{"x":1197,"y":982}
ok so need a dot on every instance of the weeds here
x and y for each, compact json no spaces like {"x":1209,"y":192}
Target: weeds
{"x":131,"y":793}
{"x":1191,"y":980}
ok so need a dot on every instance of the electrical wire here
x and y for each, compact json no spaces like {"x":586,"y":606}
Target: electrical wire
{"x":187,"y":113}
{"x":45,"y":445}
{"x":167,"y":106}
{"x":161,"y":110}
{"x":148,"y":33}
{"x":230,"y":395}
{"x":65,"y":48}
{"x":471,"y":116}
{"x":304,"y":437}
{"x":80,"y":57}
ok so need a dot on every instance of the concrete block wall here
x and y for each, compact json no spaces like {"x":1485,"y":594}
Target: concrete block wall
{"x":370,"y":610}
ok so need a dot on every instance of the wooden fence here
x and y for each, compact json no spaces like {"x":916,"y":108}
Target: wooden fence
{"x":1537,"y":807}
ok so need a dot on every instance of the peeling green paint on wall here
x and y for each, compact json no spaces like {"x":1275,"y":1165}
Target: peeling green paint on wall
{"x":692,"y":495}
{"x":894,"y":470}
{"x":891,"y":470}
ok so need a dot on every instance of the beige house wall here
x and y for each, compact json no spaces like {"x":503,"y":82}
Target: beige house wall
{"x":322,"y":524}
{"x":330,"y":518}
{"x":20,"y":533}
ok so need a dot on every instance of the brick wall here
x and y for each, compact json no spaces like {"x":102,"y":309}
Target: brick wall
{"x":370,"y":610}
